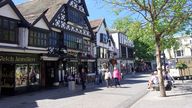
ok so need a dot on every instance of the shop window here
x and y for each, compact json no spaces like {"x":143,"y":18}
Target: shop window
{"x":21,"y":75}
{"x":34,"y":74}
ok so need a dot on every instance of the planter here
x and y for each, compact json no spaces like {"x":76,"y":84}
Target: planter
{"x":71,"y":85}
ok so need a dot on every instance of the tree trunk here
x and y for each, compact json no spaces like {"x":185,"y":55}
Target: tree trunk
{"x":159,"y":67}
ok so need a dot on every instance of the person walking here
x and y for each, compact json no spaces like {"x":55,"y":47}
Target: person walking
{"x":108,"y":78}
{"x":116,"y":76}
{"x":83,"y":77}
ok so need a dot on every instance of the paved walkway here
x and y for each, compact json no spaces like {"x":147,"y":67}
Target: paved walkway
{"x":94,"y":97}
{"x":179,"y":97}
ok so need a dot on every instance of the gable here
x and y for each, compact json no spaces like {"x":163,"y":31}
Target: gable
{"x":102,"y":29}
{"x":79,"y":5}
{"x":7,"y":11}
{"x":61,"y":21}
{"x":41,"y":24}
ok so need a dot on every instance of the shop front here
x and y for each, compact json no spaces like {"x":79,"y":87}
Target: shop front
{"x":19,"y":73}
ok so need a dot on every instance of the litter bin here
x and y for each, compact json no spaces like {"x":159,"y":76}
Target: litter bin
{"x":71,"y":85}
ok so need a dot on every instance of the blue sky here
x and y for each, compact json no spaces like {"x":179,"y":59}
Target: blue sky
{"x":96,"y":10}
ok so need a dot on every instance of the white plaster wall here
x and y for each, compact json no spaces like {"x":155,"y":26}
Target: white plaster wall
{"x":102,"y":30}
{"x":23,"y":37}
{"x":41,"y":24}
{"x":7,"y":11}
{"x":116,"y":40}
{"x":185,"y":46}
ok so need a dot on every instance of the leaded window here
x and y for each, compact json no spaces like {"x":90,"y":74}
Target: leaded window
{"x":86,"y":46}
{"x":38,"y":38}
{"x":54,"y":39}
{"x":8,"y":31}
{"x":72,"y":40}
{"x":123,"y":51}
{"x":76,"y":17}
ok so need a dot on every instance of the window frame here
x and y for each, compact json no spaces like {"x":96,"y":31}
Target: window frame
{"x":9,"y":29}
{"x":39,"y":35}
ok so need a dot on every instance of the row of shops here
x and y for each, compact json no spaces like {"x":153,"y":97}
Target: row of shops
{"x":26,"y":35}
{"x":27,"y":72}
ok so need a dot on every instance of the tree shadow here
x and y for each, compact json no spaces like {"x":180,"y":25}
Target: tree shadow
{"x":181,"y":94}
{"x":182,"y":89}
{"x":30,"y":100}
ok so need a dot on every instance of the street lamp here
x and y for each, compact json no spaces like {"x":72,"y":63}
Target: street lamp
{"x":163,"y":58}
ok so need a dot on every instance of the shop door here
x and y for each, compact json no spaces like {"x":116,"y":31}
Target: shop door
{"x":50,"y":73}
{"x":50,"y":76}
{"x":8,"y":79}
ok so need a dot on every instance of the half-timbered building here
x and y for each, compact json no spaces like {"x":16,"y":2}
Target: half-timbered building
{"x":17,"y":61}
{"x":68,"y":29}
{"x":105,"y":45}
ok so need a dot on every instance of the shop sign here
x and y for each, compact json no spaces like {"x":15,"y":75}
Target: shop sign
{"x":7,"y":58}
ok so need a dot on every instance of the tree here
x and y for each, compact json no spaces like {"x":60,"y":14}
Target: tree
{"x":165,"y":18}
{"x":144,"y":47}
{"x":181,"y":66}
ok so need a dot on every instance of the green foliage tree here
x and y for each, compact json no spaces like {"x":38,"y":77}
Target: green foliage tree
{"x":164,"y":17}
{"x":141,"y":36}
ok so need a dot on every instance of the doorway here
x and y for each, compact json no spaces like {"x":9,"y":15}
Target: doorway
{"x":7,"y":79}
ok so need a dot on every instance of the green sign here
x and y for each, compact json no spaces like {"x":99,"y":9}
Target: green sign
{"x":7,"y":58}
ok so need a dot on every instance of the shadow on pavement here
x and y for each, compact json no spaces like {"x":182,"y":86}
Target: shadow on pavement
{"x":29,"y":100}
{"x":182,"y":94}
{"x":182,"y":89}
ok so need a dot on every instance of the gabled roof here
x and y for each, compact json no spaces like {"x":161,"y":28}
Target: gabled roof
{"x":95,"y":24}
{"x":33,"y":9}
{"x":10,"y":2}
{"x":42,"y":16}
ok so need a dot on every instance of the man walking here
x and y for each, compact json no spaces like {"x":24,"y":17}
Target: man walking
{"x":83,"y":76}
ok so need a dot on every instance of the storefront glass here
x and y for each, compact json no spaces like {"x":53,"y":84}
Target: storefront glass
{"x":34,"y":74}
{"x":21,"y":75}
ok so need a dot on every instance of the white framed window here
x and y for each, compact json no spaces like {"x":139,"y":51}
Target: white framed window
{"x":180,"y":53}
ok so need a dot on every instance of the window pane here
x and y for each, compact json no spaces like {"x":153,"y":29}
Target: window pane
{"x":21,"y":75}
{"x":12,"y":36}
{"x":6,"y":35}
{"x":12,"y":25}
{"x":5,"y":24}
{"x":34,"y":75}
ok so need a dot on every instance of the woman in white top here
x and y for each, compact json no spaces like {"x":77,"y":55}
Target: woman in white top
{"x":108,"y":78}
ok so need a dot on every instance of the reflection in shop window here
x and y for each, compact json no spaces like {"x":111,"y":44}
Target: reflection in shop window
{"x":33,"y":74}
{"x":21,"y":75}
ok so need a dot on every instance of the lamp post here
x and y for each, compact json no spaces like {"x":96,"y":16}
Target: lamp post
{"x":163,"y":58}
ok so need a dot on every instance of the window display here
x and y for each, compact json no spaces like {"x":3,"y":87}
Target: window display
{"x":21,"y":75}
{"x":33,"y":74}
